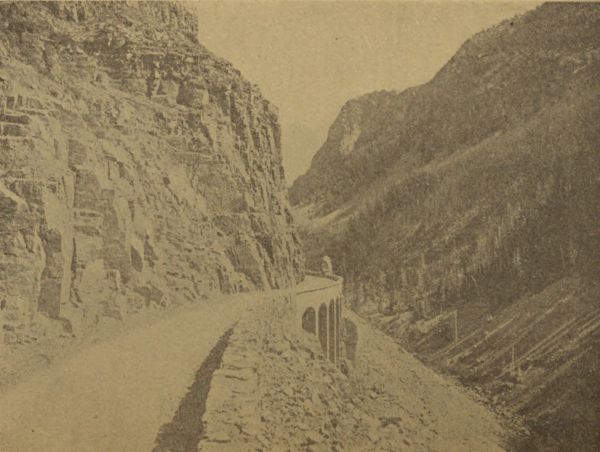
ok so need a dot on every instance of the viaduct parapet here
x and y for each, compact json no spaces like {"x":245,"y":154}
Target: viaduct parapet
{"x":319,"y":305}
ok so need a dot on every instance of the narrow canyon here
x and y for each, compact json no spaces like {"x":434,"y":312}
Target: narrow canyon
{"x":431,"y":284}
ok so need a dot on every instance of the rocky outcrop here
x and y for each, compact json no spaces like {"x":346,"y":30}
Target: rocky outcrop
{"x":275,"y":390}
{"x":136,"y":168}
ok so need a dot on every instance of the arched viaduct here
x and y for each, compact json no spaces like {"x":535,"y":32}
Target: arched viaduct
{"x":319,"y":304}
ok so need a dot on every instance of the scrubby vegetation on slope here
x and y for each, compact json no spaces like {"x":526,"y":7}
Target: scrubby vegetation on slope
{"x":475,"y":197}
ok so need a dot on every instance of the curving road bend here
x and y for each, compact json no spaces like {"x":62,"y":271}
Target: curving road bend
{"x":116,"y":395}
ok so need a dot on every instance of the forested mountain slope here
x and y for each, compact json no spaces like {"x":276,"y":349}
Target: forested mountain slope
{"x":477,"y":193}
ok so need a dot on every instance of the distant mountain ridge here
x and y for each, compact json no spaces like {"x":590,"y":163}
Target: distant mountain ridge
{"x":477,"y":194}
{"x":497,"y":78}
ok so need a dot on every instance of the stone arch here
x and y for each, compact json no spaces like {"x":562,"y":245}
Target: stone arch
{"x":323,"y":327}
{"x":332,"y":330}
{"x":309,"y":321}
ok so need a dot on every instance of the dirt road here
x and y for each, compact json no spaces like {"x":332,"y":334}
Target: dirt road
{"x":115,"y":395}
{"x":128,"y":392}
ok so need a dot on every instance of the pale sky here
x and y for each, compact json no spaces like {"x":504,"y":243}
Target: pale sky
{"x":309,"y":58}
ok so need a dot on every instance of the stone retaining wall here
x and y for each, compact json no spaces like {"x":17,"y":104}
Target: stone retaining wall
{"x":232,"y":419}
{"x":276,"y":390}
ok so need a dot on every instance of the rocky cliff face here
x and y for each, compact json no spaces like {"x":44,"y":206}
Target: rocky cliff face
{"x":136,"y":168}
{"x":475,"y":197}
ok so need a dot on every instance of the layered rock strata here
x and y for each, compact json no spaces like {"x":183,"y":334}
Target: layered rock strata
{"x":136,"y":168}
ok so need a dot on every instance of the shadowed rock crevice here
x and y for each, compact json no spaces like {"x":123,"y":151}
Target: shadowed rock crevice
{"x":350,"y":338}
{"x":183,"y":433}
